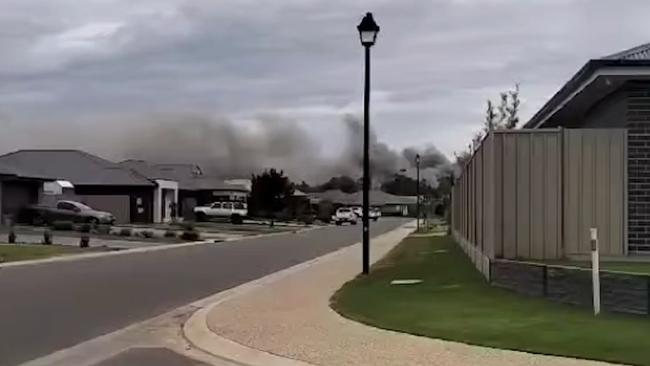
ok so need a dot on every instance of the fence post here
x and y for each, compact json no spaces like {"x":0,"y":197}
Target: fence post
{"x":595,"y":269}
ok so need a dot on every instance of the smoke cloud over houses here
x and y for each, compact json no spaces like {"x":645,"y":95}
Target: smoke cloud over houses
{"x":235,"y":150}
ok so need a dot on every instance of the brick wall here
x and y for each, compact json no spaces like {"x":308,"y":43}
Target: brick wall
{"x":619,"y":292}
{"x":638,"y":124}
{"x":523,"y":278}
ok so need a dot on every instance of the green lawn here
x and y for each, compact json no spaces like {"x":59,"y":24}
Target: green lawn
{"x":21,"y":252}
{"x":455,"y":303}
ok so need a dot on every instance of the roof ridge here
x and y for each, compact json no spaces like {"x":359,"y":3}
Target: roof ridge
{"x":629,"y":52}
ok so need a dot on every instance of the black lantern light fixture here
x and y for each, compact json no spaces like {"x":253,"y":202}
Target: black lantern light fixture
{"x":368,"y":30}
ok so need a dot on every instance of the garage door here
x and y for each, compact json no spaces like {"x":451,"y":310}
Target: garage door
{"x":18,"y":194}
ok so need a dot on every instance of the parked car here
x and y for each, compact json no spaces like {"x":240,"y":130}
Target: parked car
{"x":373,"y":213}
{"x":343,"y":215}
{"x":236,"y":211}
{"x":65,"y":211}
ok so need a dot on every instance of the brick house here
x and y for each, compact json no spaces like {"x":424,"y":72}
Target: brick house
{"x":613,"y":92}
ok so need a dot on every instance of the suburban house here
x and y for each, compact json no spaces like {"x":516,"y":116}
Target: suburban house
{"x":99,"y":183}
{"x":193,"y":187}
{"x":581,"y":162}
{"x":18,"y":187}
{"x":613,"y":92}
{"x":389,"y":204}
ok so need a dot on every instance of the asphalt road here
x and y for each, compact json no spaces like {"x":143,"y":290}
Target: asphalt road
{"x":47,"y":307}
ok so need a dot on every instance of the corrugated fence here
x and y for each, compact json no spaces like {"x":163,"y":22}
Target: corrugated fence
{"x":534,"y":194}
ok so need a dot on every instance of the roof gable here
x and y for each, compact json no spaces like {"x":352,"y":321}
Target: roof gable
{"x":631,"y":61}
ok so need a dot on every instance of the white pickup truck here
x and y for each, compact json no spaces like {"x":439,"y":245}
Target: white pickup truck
{"x":345,"y":214}
{"x":235,"y":211}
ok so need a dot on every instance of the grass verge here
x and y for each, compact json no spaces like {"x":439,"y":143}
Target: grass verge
{"x":22,"y":252}
{"x":455,"y":303}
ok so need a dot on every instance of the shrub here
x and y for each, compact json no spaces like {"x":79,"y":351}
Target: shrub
{"x":188,"y":226}
{"x":85,"y":241}
{"x":125,"y":232}
{"x":47,"y":237}
{"x":147,"y":234}
{"x":190,"y":235}
{"x":12,"y":236}
{"x":236,"y":219}
{"x":170,"y":234}
{"x":63,"y":225}
{"x":308,"y":219}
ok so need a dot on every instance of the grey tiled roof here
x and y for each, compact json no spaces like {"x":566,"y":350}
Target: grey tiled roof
{"x":184,"y":174}
{"x":641,"y":52}
{"x":11,"y":170}
{"x":78,"y":167}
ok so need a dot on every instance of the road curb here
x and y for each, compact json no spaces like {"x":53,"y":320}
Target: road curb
{"x":198,"y":334}
{"x":153,"y":248}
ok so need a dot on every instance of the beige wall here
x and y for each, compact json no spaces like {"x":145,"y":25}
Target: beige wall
{"x":594,"y":180}
{"x":534,"y":194}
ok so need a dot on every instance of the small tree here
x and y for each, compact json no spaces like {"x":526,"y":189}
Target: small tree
{"x":270,"y":192}
{"x":490,"y":118}
{"x":512,"y":109}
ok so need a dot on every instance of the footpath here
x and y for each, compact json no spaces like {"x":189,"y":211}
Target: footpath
{"x":285,"y":319}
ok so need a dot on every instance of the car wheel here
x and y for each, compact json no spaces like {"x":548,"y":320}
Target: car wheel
{"x":375,"y":219}
{"x":338,"y":223}
{"x":236,"y":220}
{"x":353,"y":222}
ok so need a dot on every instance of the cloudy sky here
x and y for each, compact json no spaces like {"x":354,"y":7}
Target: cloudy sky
{"x":69,"y":66}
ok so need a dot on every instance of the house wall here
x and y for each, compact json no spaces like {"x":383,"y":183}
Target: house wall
{"x":186,"y":203}
{"x":524,"y":193}
{"x":18,"y":193}
{"x":638,"y":168}
{"x":166,"y":192}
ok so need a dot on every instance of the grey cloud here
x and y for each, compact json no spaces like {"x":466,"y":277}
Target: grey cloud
{"x":433,"y":66}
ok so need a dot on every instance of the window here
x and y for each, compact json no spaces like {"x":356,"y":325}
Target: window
{"x":81,"y":206}
{"x":227,"y":206}
{"x":216,"y":205}
{"x":239,"y":206}
{"x":65,"y":206}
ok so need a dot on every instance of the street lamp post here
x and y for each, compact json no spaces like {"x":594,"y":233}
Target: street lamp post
{"x":417,"y":192}
{"x":368,"y":30}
